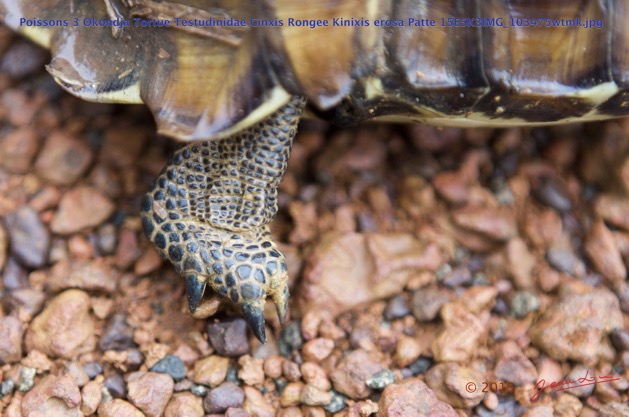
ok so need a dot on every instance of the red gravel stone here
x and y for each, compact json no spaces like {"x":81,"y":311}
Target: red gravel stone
{"x":573,"y":327}
{"x":372,"y":265}
{"x":91,"y":396}
{"x":496,"y":224}
{"x":53,"y":396}
{"x":352,"y":373}
{"x":118,"y":408}
{"x":11,"y":331}
{"x":123,"y":145}
{"x":459,"y":338}
{"x":18,"y":150}
{"x":65,"y":328}
{"x":226,"y":395}
{"x":450,"y":382}
{"x":451,"y":187}
{"x":63,"y":159}
{"x":291,"y":394}
{"x":256,"y":404}
{"x":412,"y":398}
{"x":601,"y":248}
{"x":210,"y":371}
{"x":148,"y":262}
{"x":237,"y":412}
{"x":613,"y":209}
{"x":150,"y":392}
{"x":513,"y":366}
{"x":81,"y":208}
{"x":127,"y":251}
{"x":229,"y":337}
{"x":184,"y":404}
{"x":21,"y":108}
{"x":251,"y":371}
{"x":316,"y":350}
{"x":315,"y":376}
{"x":30,"y":239}
{"x":4,"y":244}
{"x":95,"y":275}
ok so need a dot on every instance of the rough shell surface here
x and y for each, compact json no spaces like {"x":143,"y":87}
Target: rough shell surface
{"x":202,"y":83}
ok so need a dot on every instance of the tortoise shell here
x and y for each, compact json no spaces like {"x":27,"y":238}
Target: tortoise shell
{"x":203,"y":82}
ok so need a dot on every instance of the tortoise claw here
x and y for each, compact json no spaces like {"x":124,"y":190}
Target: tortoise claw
{"x":280,"y":298}
{"x":253,"y":312}
{"x":194,"y":291}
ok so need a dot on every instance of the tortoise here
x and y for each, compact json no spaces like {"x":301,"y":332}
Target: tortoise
{"x":233,"y":77}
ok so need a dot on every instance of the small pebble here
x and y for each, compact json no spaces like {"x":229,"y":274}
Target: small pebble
{"x":381,"y":379}
{"x":118,"y":408}
{"x":11,"y":331}
{"x":81,"y":208}
{"x":523,"y":303}
{"x":63,"y":159}
{"x":291,"y":394}
{"x":106,"y":239}
{"x":27,"y":378}
{"x":337,"y":403}
{"x":199,"y":390}
{"x":591,"y":313}
{"x":290,"y":338}
{"x":184,"y":404}
{"x":22,"y":59}
{"x":93,"y":369}
{"x":172,"y":366}
{"x":564,"y":261}
{"x":135,"y":359}
{"x":603,"y":251}
{"x":316,"y":376}
{"x":210,"y":371}
{"x":226,"y":395}
{"x":229,"y":337}
{"x":396,"y":308}
{"x":4,"y":245}
{"x":64,"y":328}
{"x":427,"y":301}
{"x":150,"y":392}
{"x":420,"y":366}
{"x":53,"y":395}
{"x":6,"y":388}
{"x":118,"y":334}
{"x":30,"y":239}
{"x":115,"y":385}
{"x":620,"y":339}
{"x":313,"y":396}
{"x":316,"y":350}
{"x":513,"y":366}
{"x":232,"y":376}
{"x":251,"y":370}
{"x":413,"y":398}
{"x":551,"y":194}
{"x":15,"y":276}
{"x":91,"y":396}
{"x":353,"y":371}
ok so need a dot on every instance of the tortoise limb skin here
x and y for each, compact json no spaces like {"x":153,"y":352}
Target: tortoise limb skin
{"x":209,"y":209}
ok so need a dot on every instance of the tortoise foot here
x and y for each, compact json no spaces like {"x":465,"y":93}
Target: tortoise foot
{"x":245,"y":269}
{"x":209,"y":209}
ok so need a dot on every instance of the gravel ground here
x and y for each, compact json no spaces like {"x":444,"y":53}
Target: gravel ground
{"x":436,"y":272}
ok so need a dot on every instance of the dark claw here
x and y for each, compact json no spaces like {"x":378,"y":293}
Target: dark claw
{"x":194,"y":291}
{"x":254,"y":315}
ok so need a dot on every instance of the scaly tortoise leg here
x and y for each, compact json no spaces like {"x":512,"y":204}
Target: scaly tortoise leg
{"x":209,"y":209}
